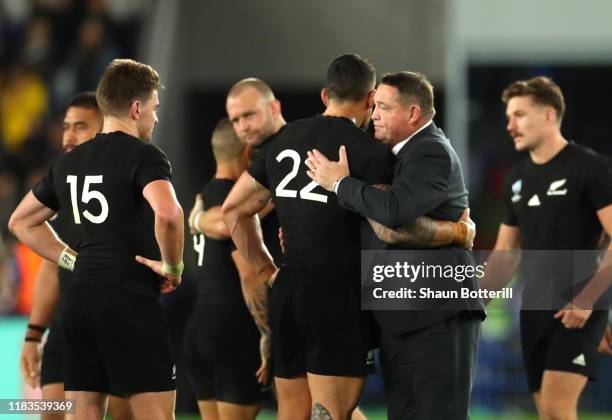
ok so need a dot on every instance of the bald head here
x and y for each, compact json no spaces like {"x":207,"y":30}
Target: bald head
{"x":261,"y":87}
{"x":226,"y":145}
{"x":253,"y":111}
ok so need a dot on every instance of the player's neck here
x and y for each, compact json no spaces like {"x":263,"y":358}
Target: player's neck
{"x":229,"y":170}
{"x":279,"y":123}
{"x":548,"y":149}
{"x":348,"y":110}
{"x":112,"y":124}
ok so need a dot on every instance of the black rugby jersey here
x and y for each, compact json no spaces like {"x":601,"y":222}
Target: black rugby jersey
{"x":218,"y":279}
{"x":270,"y":223}
{"x":555,"y":206}
{"x":316,"y":228}
{"x":97,"y":188}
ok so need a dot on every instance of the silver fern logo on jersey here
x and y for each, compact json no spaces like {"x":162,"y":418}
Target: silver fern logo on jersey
{"x":516,"y":190}
{"x":555,"y":187}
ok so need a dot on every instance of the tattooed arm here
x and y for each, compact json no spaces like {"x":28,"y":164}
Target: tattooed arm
{"x":255,"y":293}
{"x":426,"y":232}
{"x":240,"y":209}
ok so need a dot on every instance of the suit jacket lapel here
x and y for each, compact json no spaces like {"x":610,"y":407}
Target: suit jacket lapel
{"x":431,"y":131}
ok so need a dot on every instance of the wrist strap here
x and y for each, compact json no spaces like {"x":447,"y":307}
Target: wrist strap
{"x":38,"y":328}
{"x":66,"y":260}
{"x":174,"y":270}
{"x":33,"y":339}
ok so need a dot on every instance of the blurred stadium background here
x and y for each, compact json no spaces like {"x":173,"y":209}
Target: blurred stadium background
{"x":470,"y":49}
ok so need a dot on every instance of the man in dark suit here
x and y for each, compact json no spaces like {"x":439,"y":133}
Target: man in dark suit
{"x":428,"y":356}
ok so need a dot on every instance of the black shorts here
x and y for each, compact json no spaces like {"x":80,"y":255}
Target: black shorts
{"x":317,"y":322}
{"x":221,"y":351}
{"x":547,"y":345}
{"x":115,"y":341}
{"x":51,"y":370}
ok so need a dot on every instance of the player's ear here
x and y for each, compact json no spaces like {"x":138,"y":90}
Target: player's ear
{"x":135,"y":109}
{"x":275,"y":105}
{"x":324,"y":96}
{"x":551,"y":114}
{"x":370,"y":99}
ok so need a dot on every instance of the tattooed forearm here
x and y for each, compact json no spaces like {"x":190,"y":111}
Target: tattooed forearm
{"x":424,"y":233}
{"x":256,"y":299}
{"x":319,"y":412}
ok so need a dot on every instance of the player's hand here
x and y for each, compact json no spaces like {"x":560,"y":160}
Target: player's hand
{"x":471,"y":228}
{"x":573,"y":317}
{"x":30,"y":363}
{"x":263,"y":373}
{"x":169,"y":281}
{"x":605,"y":345}
{"x":325,"y":172}
{"x":198,"y":207}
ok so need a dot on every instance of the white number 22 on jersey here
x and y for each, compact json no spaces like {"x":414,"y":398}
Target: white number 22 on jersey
{"x":86,"y":197}
{"x":306,"y":192}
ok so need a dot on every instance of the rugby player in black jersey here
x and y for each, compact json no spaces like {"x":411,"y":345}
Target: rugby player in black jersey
{"x":255,"y":115}
{"x":222,"y":341}
{"x":558,"y":198}
{"x":116,"y":195}
{"x":319,"y":345}
{"x":82,"y":121}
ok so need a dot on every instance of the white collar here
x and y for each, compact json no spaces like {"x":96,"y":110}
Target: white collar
{"x":396,"y":149}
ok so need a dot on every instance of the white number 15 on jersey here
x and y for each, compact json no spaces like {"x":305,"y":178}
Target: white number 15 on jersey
{"x":86,"y":197}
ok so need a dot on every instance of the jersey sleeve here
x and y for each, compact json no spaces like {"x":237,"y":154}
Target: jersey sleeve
{"x":44,"y":192}
{"x":510,"y":218}
{"x":258,"y":171}
{"x":152,"y":165}
{"x":598,"y":182}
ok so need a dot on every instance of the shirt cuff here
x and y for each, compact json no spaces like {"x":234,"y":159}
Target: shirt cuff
{"x":337,"y":184}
